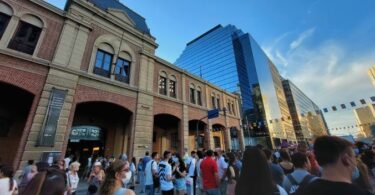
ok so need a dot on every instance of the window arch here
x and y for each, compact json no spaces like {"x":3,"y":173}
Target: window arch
{"x":218,"y":101}
{"x":103,"y":60}
{"x":163,"y":83}
{"x":6,"y":13}
{"x":26,"y":38}
{"x":213,"y":100}
{"x":123,"y":65}
{"x":199,"y":96}
{"x":172,"y":86}
{"x":192,"y":93}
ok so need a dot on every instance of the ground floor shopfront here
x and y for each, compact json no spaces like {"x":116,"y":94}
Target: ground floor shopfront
{"x":50,"y":112}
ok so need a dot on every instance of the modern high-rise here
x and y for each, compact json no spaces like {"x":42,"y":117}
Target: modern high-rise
{"x":233,"y":60}
{"x":308,"y":120}
{"x":365,"y":117}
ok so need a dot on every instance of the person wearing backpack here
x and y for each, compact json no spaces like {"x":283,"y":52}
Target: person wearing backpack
{"x":300,"y":176}
{"x":151,"y":172}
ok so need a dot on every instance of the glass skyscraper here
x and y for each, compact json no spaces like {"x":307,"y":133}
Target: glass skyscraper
{"x":233,"y":60}
{"x":308,"y":119}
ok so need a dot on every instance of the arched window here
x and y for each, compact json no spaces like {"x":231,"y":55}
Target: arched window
{"x":172,"y":86}
{"x":213,"y":101}
{"x":163,"y":83}
{"x":233,"y":109}
{"x":103,"y":60}
{"x":218,"y":101}
{"x":27,"y":35}
{"x":6,"y":13}
{"x":229,"y":107}
{"x":199,"y":96}
{"x":192,"y":93}
{"x":122,"y":70}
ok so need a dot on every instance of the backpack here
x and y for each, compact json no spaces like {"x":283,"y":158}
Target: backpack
{"x":155,"y":177}
{"x":295,"y":185}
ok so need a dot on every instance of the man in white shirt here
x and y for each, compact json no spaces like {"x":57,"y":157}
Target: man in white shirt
{"x":165,"y":175}
{"x":190,"y":165}
{"x":222,"y":166}
{"x":151,"y":170}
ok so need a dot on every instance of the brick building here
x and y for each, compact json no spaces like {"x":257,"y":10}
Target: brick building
{"x":86,"y":80}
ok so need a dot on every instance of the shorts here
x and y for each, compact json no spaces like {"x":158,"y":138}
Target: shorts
{"x":180,"y":184}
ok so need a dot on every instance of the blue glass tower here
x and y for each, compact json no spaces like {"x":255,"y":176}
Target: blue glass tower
{"x":234,"y":61}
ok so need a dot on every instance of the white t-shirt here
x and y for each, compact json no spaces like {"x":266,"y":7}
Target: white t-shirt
{"x":148,"y":172}
{"x":191,"y":165}
{"x":4,"y":186}
{"x":67,"y":161}
{"x":73,"y":181}
{"x":165,"y":170}
{"x":222,"y":165}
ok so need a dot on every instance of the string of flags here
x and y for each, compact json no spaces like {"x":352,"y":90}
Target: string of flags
{"x":351,"y":126}
{"x":351,"y":104}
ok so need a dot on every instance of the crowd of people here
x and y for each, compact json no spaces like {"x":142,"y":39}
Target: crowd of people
{"x":331,"y":166}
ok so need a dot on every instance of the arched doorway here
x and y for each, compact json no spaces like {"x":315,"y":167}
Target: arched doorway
{"x":202,"y":142}
{"x":99,"y":129}
{"x":218,"y":136}
{"x":15,"y":104}
{"x":166,"y":133}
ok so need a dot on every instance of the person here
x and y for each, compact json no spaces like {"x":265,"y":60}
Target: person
{"x":198,"y":171}
{"x":150,"y":172}
{"x":8,"y":185}
{"x":300,"y":176}
{"x":48,"y":182}
{"x":276,"y":171}
{"x":72,"y":177}
{"x":363,"y":179}
{"x":209,"y":173}
{"x":141,"y":175}
{"x":26,"y":170}
{"x":113,"y":182}
{"x":191,"y":180}
{"x":26,"y":179}
{"x":368,"y":158}
{"x":336,"y":156}
{"x":286,"y":163}
{"x":67,"y":160}
{"x":146,"y":159}
{"x":96,"y":178}
{"x":179,"y":172}
{"x":165,"y":175}
{"x":222,"y":168}
{"x":133,"y":170}
{"x":231,"y":174}
{"x":255,"y":177}
{"x":315,"y":168}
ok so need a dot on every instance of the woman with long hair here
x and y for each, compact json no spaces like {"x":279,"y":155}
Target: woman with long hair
{"x":96,"y":178}
{"x":255,"y":178}
{"x":179,"y":171}
{"x":113,"y":182}
{"x":286,"y":162}
{"x":49,"y":182}
{"x":72,"y":177}
{"x":7,"y":184}
{"x":232,"y":174}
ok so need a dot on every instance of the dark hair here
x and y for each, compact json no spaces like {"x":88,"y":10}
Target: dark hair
{"x":147,"y":153}
{"x":200,"y":154}
{"x":368,"y":159}
{"x":255,"y":178}
{"x":8,"y":172}
{"x":42,"y":166}
{"x":153,"y":155}
{"x":284,"y":154}
{"x":166,"y":153}
{"x":299,"y":159}
{"x":193,"y":152}
{"x":134,"y":160}
{"x":110,"y":177}
{"x":30,"y":162}
{"x":268,"y":153}
{"x":49,"y":182}
{"x":209,"y":153}
{"x":328,"y":149}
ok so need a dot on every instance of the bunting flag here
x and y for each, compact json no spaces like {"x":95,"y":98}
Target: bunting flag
{"x":352,"y":104}
{"x":352,"y":126}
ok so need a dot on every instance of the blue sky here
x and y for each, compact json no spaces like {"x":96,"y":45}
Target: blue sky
{"x":324,"y":47}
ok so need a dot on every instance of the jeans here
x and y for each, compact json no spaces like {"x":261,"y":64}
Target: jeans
{"x":150,"y":189}
{"x":223,"y":187}
{"x":214,"y":191}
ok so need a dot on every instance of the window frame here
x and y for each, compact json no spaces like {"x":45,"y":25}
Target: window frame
{"x":119,"y":76}
{"x":172,"y":86}
{"x":19,"y":43}
{"x":6,"y":23}
{"x":192,"y":95}
{"x":100,"y":70}
{"x":199,"y":97}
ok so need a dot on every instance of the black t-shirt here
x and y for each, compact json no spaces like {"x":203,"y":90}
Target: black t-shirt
{"x":325,"y":187}
{"x":181,"y":168}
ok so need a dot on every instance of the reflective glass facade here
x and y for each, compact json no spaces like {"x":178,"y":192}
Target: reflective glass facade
{"x":233,"y":60}
{"x":308,"y":120}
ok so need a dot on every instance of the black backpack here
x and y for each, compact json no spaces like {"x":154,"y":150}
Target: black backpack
{"x":295,"y":185}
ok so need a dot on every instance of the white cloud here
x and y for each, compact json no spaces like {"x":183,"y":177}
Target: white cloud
{"x":304,"y":35}
{"x":329,"y":74}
